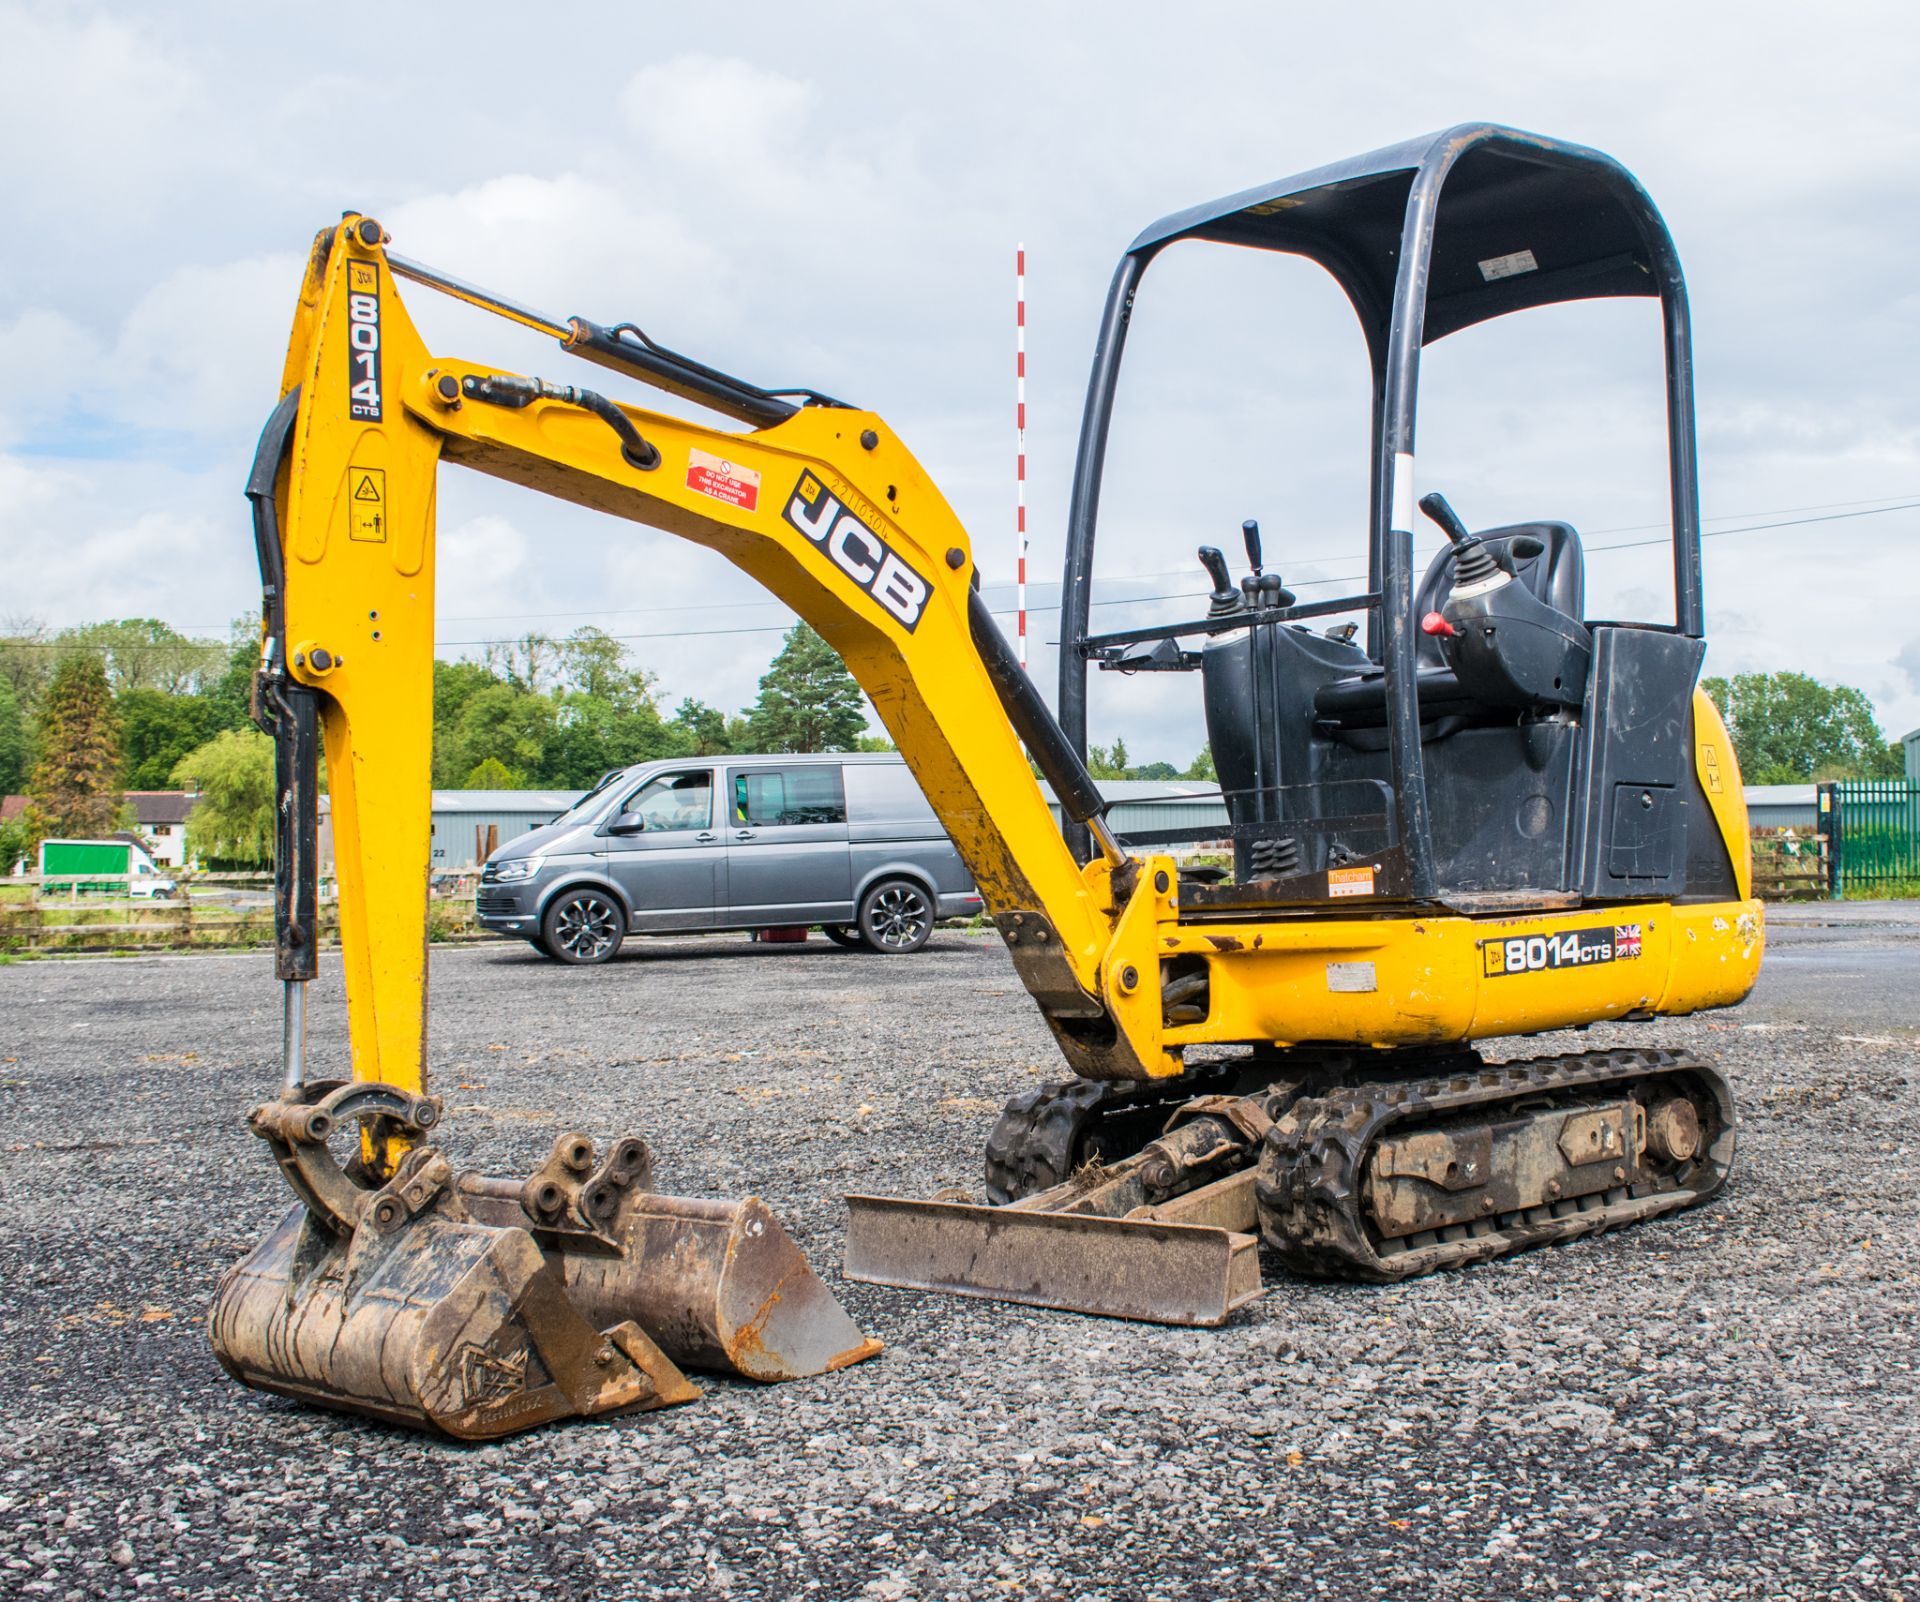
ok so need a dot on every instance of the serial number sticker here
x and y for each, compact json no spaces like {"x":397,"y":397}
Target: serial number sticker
{"x":1349,"y":881}
{"x":723,"y":480}
{"x":1577,"y":948}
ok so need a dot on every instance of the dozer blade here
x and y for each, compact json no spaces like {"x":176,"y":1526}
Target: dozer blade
{"x":1167,"y":1235}
{"x":1138,"y":1268}
{"x":478,"y":1306}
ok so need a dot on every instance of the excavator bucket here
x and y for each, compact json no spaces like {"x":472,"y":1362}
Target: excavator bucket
{"x":479,"y":1306}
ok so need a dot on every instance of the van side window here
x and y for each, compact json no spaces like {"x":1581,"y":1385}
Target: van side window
{"x":673,"y":801}
{"x":770,"y":797}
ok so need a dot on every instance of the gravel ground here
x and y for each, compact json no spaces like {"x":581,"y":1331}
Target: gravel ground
{"x":1721,"y":1405}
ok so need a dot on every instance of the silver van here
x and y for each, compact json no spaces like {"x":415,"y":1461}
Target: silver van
{"x":846,"y":842}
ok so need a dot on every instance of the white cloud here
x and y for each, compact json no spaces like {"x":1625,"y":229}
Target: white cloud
{"x":843,"y":214}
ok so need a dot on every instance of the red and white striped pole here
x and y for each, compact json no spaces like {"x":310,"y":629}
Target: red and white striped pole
{"x":1020,"y":439}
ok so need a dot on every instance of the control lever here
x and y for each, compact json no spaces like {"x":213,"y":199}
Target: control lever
{"x":1250,"y":532}
{"x":1473,"y":563}
{"x":1436,"y":507}
{"x":1225,"y":597}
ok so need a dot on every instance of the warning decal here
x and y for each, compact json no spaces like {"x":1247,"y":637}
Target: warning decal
{"x":367,"y":498}
{"x":1349,"y":881}
{"x":1710,"y":767}
{"x":727,"y":481}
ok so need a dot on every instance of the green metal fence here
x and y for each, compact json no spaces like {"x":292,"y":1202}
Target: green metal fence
{"x":1873,"y":826}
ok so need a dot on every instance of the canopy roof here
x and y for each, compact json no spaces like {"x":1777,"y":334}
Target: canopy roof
{"x":1522,"y":221}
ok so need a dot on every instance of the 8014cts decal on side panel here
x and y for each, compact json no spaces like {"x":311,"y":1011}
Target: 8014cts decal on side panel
{"x":857,"y":550}
{"x":1576,"y":948}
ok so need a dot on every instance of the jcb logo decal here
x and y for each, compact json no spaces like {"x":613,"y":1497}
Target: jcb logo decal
{"x":857,"y":551}
{"x":363,"y":342}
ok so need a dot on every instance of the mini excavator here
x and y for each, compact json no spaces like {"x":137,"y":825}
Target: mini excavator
{"x":1466,"y":812}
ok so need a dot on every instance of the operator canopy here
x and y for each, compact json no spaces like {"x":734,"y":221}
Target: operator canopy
{"x":1521,"y":221}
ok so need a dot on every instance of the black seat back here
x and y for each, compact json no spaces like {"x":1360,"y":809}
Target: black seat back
{"x":1556,"y":574}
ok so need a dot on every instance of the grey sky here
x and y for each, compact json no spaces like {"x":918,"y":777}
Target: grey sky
{"x":830,"y":195}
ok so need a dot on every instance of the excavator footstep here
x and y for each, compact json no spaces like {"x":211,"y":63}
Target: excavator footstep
{"x":1139,"y":1268}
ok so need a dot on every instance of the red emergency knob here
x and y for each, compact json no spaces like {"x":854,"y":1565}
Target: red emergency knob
{"x":1434,"y":623}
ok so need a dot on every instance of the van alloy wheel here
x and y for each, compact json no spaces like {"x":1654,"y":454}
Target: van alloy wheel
{"x":583,"y":926}
{"x":896,"y":916}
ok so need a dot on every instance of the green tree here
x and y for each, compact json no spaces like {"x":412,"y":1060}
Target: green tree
{"x":228,"y":693}
{"x":591,"y":735}
{"x":507,"y":722}
{"x":1154,"y":770}
{"x":16,"y":743}
{"x":233,"y":823}
{"x":1108,"y":762}
{"x":808,"y":699}
{"x":594,"y":663}
{"x":527,"y":662}
{"x":142,"y":653}
{"x":76,"y":782}
{"x":19,"y":838}
{"x":27,"y":659}
{"x":492,"y":774}
{"x":157,"y":729}
{"x":1788,"y":728}
{"x":708,"y":730}
{"x":1202,"y":766}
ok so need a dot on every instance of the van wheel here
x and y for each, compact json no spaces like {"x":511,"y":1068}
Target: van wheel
{"x":845,"y":934}
{"x":583,"y":926}
{"x":896,"y":916}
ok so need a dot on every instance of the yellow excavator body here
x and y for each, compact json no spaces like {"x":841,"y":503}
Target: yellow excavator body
{"x":1355,"y":1128}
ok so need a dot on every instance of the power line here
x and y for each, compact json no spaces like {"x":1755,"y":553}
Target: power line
{"x":1129,"y":600}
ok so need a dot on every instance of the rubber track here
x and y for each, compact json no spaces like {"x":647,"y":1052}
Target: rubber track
{"x":1311,"y":1168}
{"x":1037,"y":1140}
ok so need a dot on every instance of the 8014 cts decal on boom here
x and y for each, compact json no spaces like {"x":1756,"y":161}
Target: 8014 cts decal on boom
{"x":1576,"y":948}
{"x":363,"y":342}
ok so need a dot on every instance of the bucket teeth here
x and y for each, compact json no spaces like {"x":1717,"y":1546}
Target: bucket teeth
{"x":479,"y":1306}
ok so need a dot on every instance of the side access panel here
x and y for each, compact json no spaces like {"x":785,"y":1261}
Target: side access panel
{"x":1630,"y":839}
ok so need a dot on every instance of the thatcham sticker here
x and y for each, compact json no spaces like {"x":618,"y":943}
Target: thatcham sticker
{"x":857,"y":551}
{"x":1577,"y":948}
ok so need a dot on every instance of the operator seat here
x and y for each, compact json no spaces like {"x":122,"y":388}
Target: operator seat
{"x":1546,"y":557}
